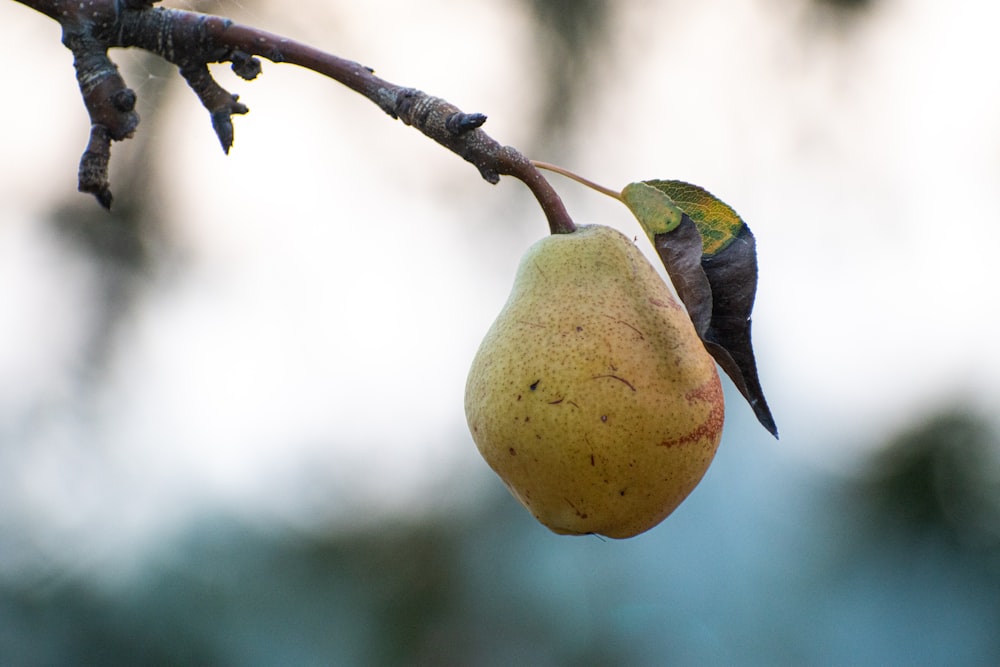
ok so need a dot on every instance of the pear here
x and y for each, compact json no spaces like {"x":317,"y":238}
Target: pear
{"x":591,"y":395}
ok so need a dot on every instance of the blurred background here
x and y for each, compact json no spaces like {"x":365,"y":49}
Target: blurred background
{"x":231,"y":423}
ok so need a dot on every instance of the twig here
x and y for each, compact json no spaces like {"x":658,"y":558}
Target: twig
{"x":191,"y":41}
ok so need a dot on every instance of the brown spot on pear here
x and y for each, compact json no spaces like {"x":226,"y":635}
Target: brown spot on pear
{"x":582,"y":435}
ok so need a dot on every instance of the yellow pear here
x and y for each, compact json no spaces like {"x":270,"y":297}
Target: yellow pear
{"x":591,"y":396}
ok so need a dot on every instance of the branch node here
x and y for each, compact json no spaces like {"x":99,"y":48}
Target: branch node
{"x":403,"y":105}
{"x":489,"y":174}
{"x":459,"y":123}
{"x":92,"y":177}
{"x":246,"y":66}
{"x":221,"y":105}
{"x":222,"y":123}
{"x":124,"y":100}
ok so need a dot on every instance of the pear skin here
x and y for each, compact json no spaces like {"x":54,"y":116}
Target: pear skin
{"x":591,"y":395}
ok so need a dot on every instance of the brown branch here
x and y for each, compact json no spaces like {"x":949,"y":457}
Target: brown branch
{"x":191,"y":41}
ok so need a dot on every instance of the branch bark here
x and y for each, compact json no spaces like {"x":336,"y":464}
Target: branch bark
{"x":192,"y":41}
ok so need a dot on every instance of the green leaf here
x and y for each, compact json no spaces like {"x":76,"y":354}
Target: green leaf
{"x":718,"y":223}
{"x":654,"y":209}
{"x":710,"y":255}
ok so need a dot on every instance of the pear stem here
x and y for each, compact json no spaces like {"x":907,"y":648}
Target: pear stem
{"x":552,"y":205}
{"x":578,"y":178}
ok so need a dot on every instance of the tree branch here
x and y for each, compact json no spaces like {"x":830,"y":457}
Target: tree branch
{"x":192,"y":41}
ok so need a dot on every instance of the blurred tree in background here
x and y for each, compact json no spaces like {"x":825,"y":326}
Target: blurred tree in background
{"x":485,"y":590}
{"x":573,"y":38}
{"x":940,"y":480}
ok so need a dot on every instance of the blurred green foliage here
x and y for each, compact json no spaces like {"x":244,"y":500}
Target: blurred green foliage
{"x":419,"y":593}
{"x":941,"y":478}
{"x":888,"y":567}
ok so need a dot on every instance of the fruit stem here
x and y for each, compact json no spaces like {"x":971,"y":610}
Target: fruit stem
{"x":512,"y":163}
{"x":578,"y":178}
